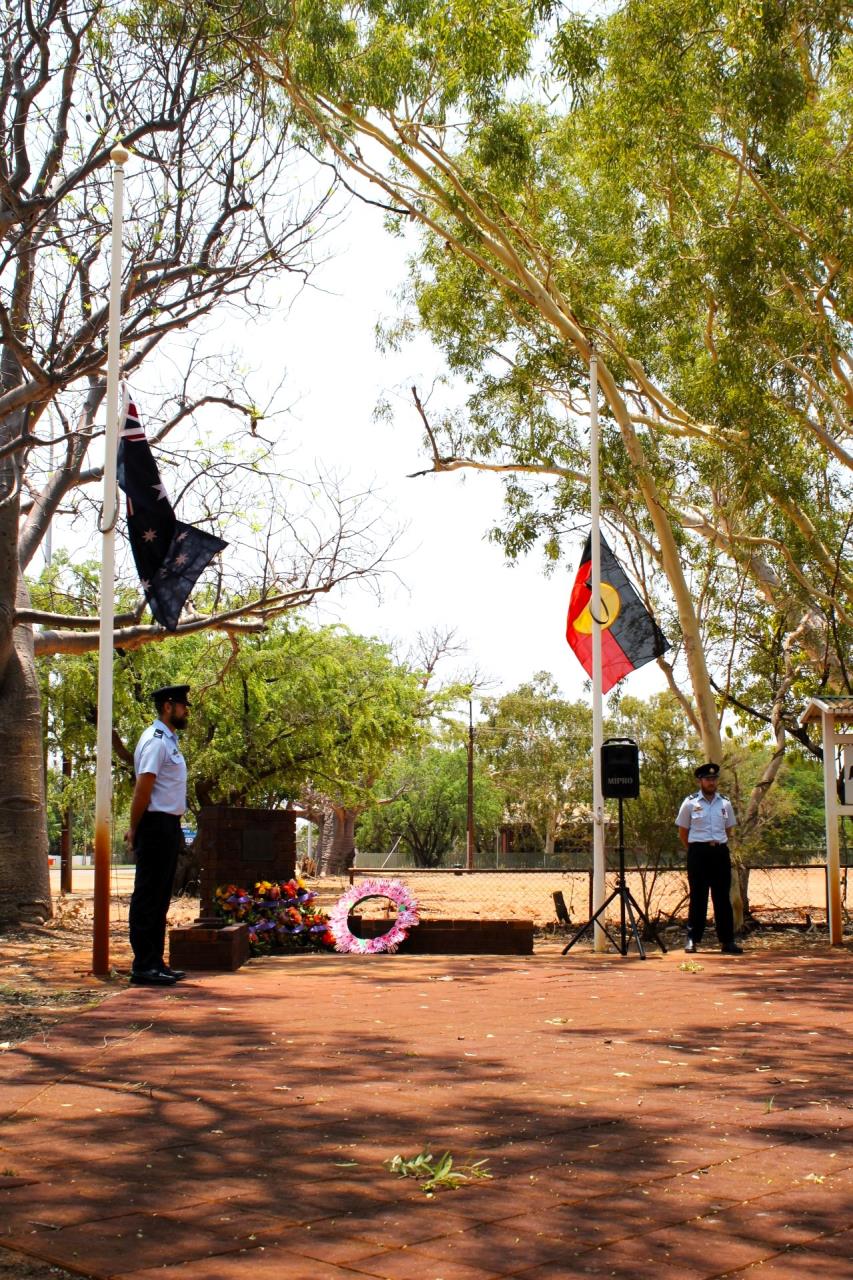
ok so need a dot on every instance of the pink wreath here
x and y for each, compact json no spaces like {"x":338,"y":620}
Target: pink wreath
{"x":396,"y":892}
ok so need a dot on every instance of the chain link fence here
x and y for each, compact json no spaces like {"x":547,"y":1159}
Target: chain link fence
{"x":787,"y":893}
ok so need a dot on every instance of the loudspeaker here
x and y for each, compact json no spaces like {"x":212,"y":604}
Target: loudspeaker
{"x":620,"y":768}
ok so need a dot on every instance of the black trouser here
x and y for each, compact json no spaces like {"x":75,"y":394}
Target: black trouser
{"x":709,"y":866}
{"x":157,"y":844}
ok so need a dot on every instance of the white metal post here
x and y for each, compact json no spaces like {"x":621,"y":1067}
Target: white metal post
{"x":598,"y":882}
{"x":109,"y":513}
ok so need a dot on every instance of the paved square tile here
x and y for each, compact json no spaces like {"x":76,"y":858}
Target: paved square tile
{"x":636,"y":1120}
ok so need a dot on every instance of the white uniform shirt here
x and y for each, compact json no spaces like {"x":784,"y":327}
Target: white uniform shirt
{"x":707,"y":819}
{"x":157,"y":752}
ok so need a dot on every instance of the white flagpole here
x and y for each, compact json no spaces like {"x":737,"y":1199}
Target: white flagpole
{"x":109,"y":514}
{"x":598,"y":882}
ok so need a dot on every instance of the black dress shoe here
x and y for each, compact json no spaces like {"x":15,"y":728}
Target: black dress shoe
{"x":177,"y":974}
{"x":151,"y":978}
{"x":690,"y":946}
{"x":732,"y":950}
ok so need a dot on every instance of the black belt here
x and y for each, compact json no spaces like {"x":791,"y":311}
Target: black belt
{"x":714,"y":844}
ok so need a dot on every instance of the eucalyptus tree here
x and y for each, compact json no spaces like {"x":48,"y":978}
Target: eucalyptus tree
{"x":427,"y":808}
{"x":218,"y":207}
{"x":669,"y":184}
{"x":537,"y":747}
{"x":668,"y":751}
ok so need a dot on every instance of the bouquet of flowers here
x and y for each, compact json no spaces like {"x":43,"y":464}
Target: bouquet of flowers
{"x":280,"y":916}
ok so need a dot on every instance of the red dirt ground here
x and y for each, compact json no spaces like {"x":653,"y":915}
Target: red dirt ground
{"x":667,"y":1118}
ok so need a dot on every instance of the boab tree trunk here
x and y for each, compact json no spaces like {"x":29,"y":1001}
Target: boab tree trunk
{"x":24,"y":879}
{"x":337,"y":851}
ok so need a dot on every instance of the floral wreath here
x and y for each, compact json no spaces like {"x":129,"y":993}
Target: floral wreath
{"x":396,"y":892}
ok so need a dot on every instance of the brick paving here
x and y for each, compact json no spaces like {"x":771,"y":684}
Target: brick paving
{"x":639,"y":1119}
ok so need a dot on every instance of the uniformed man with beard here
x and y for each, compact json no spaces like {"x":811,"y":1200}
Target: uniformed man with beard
{"x":704,"y":822}
{"x":159,"y":802}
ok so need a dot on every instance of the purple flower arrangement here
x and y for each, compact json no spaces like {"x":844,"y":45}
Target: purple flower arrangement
{"x":280,"y":916}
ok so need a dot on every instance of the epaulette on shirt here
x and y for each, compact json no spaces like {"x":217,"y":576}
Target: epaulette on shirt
{"x":158,"y":733}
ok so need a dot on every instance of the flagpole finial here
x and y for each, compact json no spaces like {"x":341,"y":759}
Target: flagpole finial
{"x":119,"y":154}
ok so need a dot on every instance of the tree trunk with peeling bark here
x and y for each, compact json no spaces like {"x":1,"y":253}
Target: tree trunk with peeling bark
{"x":24,"y":878}
{"x":337,"y":853}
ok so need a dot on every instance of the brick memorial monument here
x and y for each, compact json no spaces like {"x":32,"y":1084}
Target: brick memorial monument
{"x":240,"y":847}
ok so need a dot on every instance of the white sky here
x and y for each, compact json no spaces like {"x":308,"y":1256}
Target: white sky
{"x":511,"y":619}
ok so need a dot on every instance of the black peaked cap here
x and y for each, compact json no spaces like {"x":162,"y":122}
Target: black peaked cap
{"x":171,"y":693}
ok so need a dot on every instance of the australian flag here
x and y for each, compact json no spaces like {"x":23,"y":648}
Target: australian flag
{"x":170,"y":556}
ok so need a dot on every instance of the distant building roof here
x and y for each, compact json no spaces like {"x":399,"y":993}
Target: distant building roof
{"x":840,"y":705}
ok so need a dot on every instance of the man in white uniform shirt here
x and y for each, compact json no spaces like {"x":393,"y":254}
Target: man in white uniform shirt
{"x":704,"y":822}
{"x":158,"y":804}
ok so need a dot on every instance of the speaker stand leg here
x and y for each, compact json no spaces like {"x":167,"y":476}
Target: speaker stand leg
{"x":627,"y":900}
{"x":597,"y":918}
{"x":646,"y":921}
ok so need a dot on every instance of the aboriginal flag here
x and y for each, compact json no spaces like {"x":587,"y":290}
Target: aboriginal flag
{"x":630,"y":637}
{"x":170,"y":556}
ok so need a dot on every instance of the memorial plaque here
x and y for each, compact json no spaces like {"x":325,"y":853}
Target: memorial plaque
{"x":258,"y":846}
{"x":242,"y":846}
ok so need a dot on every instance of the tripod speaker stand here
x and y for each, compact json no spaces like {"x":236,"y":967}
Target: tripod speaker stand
{"x":620,"y":778}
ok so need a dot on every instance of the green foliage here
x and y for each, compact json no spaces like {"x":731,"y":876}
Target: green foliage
{"x":792,"y":823}
{"x":795,"y":818}
{"x":300,"y":704}
{"x":436,"y":1173}
{"x":429,"y":813}
{"x":674,"y":180}
{"x":378,"y":54}
{"x":291,"y":705}
{"x":537,"y":747}
{"x":669,"y":750}
{"x":577,"y":51}
{"x":69,"y":682}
